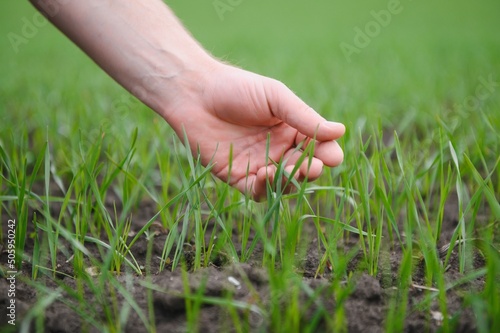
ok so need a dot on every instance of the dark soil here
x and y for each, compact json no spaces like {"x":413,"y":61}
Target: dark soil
{"x":366,"y":307}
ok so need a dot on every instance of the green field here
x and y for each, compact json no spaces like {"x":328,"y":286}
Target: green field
{"x":86,"y":169}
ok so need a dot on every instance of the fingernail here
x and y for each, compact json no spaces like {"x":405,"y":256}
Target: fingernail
{"x":335,"y":126}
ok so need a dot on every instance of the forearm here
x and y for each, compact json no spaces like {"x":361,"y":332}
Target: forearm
{"x":141,"y":44}
{"x":226,"y":113}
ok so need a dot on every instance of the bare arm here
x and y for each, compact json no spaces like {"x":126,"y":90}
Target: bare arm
{"x":143,"y":46}
{"x":138,"y":43}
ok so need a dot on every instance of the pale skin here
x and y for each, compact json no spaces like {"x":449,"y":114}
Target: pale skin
{"x":144,"y":47}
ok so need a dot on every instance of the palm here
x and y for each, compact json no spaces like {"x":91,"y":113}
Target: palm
{"x":238,"y":112}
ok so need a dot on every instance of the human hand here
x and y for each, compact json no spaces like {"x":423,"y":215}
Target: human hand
{"x":227,"y":106}
{"x":218,"y":106}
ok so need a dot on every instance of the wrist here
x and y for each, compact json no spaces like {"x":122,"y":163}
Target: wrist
{"x":169,"y":91}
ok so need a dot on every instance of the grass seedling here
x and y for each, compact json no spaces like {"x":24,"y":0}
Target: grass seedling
{"x":462,"y":235}
{"x":22,"y":189}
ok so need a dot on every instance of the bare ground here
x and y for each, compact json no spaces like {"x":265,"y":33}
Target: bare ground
{"x":366,"y":306}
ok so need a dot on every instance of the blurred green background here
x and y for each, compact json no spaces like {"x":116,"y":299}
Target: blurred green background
{"x":427,"y":59}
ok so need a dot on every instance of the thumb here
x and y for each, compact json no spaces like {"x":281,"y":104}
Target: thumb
{"x":286,"y":106}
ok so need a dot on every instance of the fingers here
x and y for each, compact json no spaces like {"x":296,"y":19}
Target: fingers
{"x":286,"y":106}
{"x":256,"y":185}
{"x":329,"y":152}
